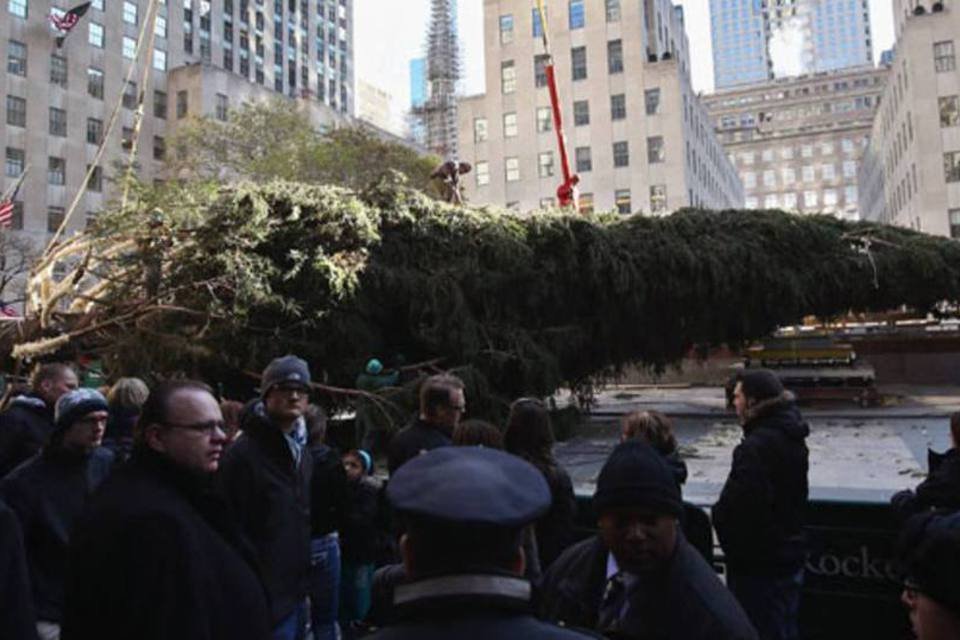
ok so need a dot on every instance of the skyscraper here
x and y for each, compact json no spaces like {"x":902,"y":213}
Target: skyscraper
{"x":418,"y":82}
{"x":758,"y":40}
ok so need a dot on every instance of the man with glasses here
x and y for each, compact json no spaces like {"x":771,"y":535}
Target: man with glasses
{"x":442,"y":404}
{"x":266,"y":479}
{"x":156,"y":554}
{"x":49,"y":491}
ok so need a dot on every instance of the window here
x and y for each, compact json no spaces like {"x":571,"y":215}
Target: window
{"x":949,"y":110}
{"x":826,"y":148}
{"x":160,"y":105}
{"x":621,"y":154}
{"x":512,"y":169}
{"x":847,"y":145}
{"x":98,"y":4}
{"x":17,"y":58}
{"x":658,"y":198}
{"x":54,"y":218}
{"x":126,"y":138}
{"x":618,"y":106}
{"x":17,"y":8}
{"x":540,"y":70}
{"x":129,"y":48}
{"x":829,"y":198}
{"x":160,"y":29}
{"x":159,"y":59}
{"x":786,"y":153}
{"x":615,"y":56}
{"x":95,"y":182}
{"x":951,"y":166}
{"x":790,"y":201}
{"x":769,"y":178}
{"x":508,"y":77}
{"x":652,"y":99}
{"x":809,"y":198}
{"x":586,"y":203}
{"x":767,"y":155}
{"x":621,"y":198}
{"x":544,"y":119}
{"x":95,"y":83}
{"x":16,"y":111}
{"x":583,"y":159}
{"x":15,"y":161}
{"x":806,"y":151}
{"x":850,"y":195}
{"x":57,"y":171}
{"x":95,"y":35}
{"x":577,"y":18}
{"x":655,"y":150}
{"x":547,"y":203}
{"x":130,"y":96}
{"x":506,"y":29}
{"x":537,"y":27}
{"x":749,"y":179}
{"x":181,"y":104}
{"x":480,"y":130}
{"x":807,"y":173}
{"x":130,"y":12}
{"x":849,"y":169}
{"x":747,"y":157}
{"x":581,"y":113}
{"x":159,"y":148}
{"x":954,"y":223}
{"x":483,"y":173}
{"x":771,"y":201}
{"x":509,"y":125}
{"x":222,"y":108}
{"x":750,"y":203}
{"x":94,"y":130}
{"x":58,"y":70}
{"x":578,"y":62}
{"x":545,"y":164}
{"x":943,"y":59}
{"x":828,"y":172}
{"x":613,"y":10}
{"x":788,"y":175}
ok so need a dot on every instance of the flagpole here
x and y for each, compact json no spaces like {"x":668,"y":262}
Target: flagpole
{"x":8,"y":194}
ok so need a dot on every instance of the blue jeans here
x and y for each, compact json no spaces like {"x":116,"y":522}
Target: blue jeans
{"x":293,"y":626}
{"x":771,"y":603}
{"x":325,"y":587}
{"x":355,"y":592}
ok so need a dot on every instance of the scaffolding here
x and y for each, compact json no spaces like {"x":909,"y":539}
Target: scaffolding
{"x":438,"y":114}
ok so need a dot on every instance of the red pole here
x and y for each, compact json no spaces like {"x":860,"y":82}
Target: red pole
{"x":566,"y":192}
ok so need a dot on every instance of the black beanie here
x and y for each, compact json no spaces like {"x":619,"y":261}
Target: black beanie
{"x":934,"y":565}
{"x":760,"y":384}
{"x":636,"y":476}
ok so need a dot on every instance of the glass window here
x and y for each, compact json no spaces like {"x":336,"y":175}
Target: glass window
{"x":577,"y":18}
{"x":747,"y":157}
{"x":182,"y":106}
{"x":480,"y":130}
{"x":615,"y":56}
{"x":786,"y":153}
{"x":621,"y":154}
{"x":94,"y":130}
{"x":126,"y":138}
{"x":17,"y":8}
{"x":954,"y":215}
{"x":827,"y":172}
{"x":849,"y":169}
{"x":509,"y":125}
{"x":545,"y":164}
{"x":506,"y":29}
{"x":829,"y":198}
{"x":512,"y":169}
{"x":483,"y":173}
{"x":95,"y":83}
{"x":807,"y":173}
{"x":584,"y":160}
{"x":951,"y":166}
{"x":943,"y":59}
{"x":16,"y":111}
{"x":806,"y":151}
{"x":586,"y":203}
{"x":790,"y":201}
{"x":508,"y":77}
{"x":749,"y":179}
{"x":769,"y":178}
{"x":613,"y":10}
{"x":160,"y":104}
{"x":658,"y":198}
{"x":95,"y":35}
{"x":771,"y":201}
{"x":750,"y":203}
{"x":15,"y":162}
{"x":222,"y":107}
{"x":537,"y":27}
{"x":58,"y":70}
{"x":98,"y":4}
{"x":581,"y":113}
{"x":547,"y":203}
{"x":130,"y":96}
{"x":621,"y":198}
{"x":159,"y":59}
{"x":788,"y":175}
{"x":129,"y":12}
{"x":57,"y":171}
{"x":95,"y":181}
{"x":16,"y":58}
{"x":809,"y":198}
{"x":826,"y":148}
{"x":160,"y":28}
{"x":129,"y":47}
{"x":652,"y":99}
{"x":544,"y":119}
{"x":847,"y":145}
{"x":618,"y":106}
{"x":655,"y":151}
{"x":850,"y":195}
{"x":540,"y":70}
{"x":767,"y":155}
{"x":949,"y":110}
{"x":578,"y":63}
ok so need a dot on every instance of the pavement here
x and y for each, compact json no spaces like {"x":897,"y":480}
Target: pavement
{"x":855,"y":454}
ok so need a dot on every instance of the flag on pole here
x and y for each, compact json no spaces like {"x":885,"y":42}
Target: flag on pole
{"x":66,"y":22}
{"x":7,"y":203}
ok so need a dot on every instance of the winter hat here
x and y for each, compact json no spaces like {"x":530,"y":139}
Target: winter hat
{"x":760,"y":384}
{"x":374,"y":367}
{"x":75,"y":404}
{"x":288,"y":369}
{"x":933,"y":568}
{"x":636,"y":475}
{"x":366,"y":459}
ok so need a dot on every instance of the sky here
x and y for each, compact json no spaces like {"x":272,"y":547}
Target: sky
{"x":389,"y":33}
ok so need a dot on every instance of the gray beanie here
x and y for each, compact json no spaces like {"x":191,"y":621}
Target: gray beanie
{"x":75,"y":404}
{"x":288,"y":369}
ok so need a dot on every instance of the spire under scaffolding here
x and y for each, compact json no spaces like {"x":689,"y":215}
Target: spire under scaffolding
{"x":438,"y":115}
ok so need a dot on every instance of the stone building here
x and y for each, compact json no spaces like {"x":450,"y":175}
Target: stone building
{"x":637,"y":134}
{"x":797,"y":142}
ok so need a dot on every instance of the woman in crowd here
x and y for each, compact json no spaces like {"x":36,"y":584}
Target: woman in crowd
{"x":124,"y":399}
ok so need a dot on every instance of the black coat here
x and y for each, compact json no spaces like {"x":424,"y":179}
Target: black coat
{"x":412,"y":440}
{"x":554,"y":529}
{"x":48,"y":493}
{"x":449,"y":607}
{"x":119,"y":434}
{"x":24,"y":429}
{"x":16,"y":613}
{"x":759,"y":516}
{"x":941,"y":489}
{"x":686,"y":601}
{"x":358,"y":533}
{"x":156,"y":557}
{"x":328,"y":491}
{"x":269,"y":495}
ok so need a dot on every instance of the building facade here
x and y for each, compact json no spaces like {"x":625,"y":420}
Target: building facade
{"x":374,"y":107}
{"x":759,"y":40}
{"x":206,"y":59}
{"x":637,"y":134}
{"x":798,"y":143}
{"x":911,"y":171}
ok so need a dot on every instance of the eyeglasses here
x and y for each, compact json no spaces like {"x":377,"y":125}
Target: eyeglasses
{"x":209,"y":428}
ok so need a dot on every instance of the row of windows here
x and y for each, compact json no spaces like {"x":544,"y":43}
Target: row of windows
{"x":788,"y":175}
{"x":578,"y":66}
{"x":576,"y":19}
{"x":826,"y":148}
{"x":621,"y":199}
{"x":55,"y":216}
{"x":828,"y":198}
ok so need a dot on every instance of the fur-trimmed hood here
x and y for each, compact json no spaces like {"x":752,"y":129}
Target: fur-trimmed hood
{"x":779,"y":412}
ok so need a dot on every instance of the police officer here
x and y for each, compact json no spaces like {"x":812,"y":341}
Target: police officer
{"x":465,"y":511}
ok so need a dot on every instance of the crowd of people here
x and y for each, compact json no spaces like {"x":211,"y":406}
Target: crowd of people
{"x":164,"y":513}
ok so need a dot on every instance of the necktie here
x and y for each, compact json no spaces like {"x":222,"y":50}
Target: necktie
{"x":612,"y":605}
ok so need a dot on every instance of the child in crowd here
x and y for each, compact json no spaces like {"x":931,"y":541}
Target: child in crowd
{"x":358,"y":538}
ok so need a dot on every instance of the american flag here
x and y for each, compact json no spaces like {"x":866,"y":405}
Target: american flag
{"x":7,"y":204}
{"x":64,"y":23}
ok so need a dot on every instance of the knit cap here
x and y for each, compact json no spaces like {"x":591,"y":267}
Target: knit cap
{"x":636,"y":476}
{"x":287,"y":369}
{"x":760,"y":384}
{"x":934,"y":565}
{"x":75,"y":404}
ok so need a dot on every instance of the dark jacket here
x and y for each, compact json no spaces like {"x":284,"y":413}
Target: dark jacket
{"x":119,"y":434}
{"x":554,"y":529}
{"x":48,"y":493}
{"x":759,"y":516}
{"x":677,"y":466}
{"x":411,"y":441}
{"x":468,"y":607}
{"x":686,"y":601}
{"x":358,"y":533}
{"x":269,"y":495}
{"x":17,"y":621}
{"x":941,"y":489}
{"x":24,"y":429}
{"x":157,"y":556}
{"x":328,"y":491}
